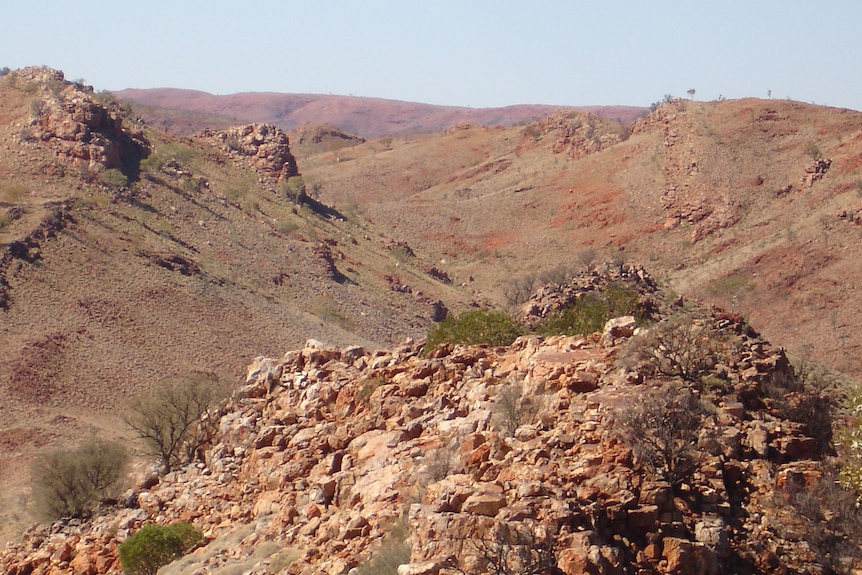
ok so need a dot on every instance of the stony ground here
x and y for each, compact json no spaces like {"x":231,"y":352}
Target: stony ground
{"x":323,"y":454}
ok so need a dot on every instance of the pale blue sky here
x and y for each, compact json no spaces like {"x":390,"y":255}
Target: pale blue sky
{"x":469,"y":53}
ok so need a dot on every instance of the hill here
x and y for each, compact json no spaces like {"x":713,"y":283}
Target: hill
{"x":751,"y":205}
{"x":131,"y":255}
{"x":200,"y":264}
{"x":188,"y":111}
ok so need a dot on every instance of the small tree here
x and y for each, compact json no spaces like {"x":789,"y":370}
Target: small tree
{"x":170,"y":418}
{"x":680,"y":346}
{"x":662,"y":430}
{"x":690,"y":93}
{"x":511,"y":409}
{"x":71,"y":483}
{"x":518,"y":290}
{"x":154,"y":546}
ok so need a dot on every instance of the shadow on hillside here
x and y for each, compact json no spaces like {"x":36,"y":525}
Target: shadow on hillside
{"x":322,"y":209}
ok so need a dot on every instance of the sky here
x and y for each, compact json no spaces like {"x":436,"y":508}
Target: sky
{"x":463,"y":53}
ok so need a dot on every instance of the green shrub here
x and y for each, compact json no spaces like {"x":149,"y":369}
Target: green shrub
{"x":812,"y":150}
{"x":293,"y":189}
{"x":590,"y":312}
{"x":479,"y":326}
{"x":114,"y":178}
{"x":154,"y":546}
{"x":71,"y":483}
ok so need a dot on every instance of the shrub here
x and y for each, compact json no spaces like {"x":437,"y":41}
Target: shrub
{"x":681,"y":346}
{"x":367,"y":388}
{"x":590,"y":312}
{"x":518,"y":290}
{"x":831,"y":519}
{"x":479,"y":326}
{"x":663,"y":429}
{"x":526,"y":548}
{"x":813,"y":151}
{"x":170,"y":418}
{"x":153,"y":546}
{"x":71,"y":483}
{"x":849,"y":442}
{"x":511,"y":409}
{"x":114,"y":178}
{"x":393,"y":552}
{"x":293,"y":189}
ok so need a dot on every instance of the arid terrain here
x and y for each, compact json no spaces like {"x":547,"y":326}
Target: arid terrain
{"x":189,"y":111}
{"x":131,"y":255}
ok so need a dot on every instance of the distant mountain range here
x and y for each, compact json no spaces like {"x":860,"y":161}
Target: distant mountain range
{"x":366,"y":117}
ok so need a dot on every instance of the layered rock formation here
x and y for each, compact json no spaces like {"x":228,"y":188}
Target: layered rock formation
{"x":490,"y":454}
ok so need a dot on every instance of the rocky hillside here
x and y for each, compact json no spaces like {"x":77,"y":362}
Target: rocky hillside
{"x":749,"y":204}
{"x":128,"y":256}
{"x":328,"y":459}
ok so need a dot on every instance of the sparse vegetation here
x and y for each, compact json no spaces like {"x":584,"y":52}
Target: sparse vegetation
{"x":662,"y":430}
{"x":731,"y":285}
{"x":368,"y":387}
{"x":114,"y":178}
{"x":512,"y":409}
{"x":518,"y":290}
{"x":813,"y":151}
{"x":849,"y":443}
{"x":591,"y":311}
{"x":526,"y":548}
{"x":393,"y":551}
{"x":327,"y":309}
{"x":170,"y":417}
{"x":163,"y":153}
{"x":479,"y":326}
{"x":831,"y":520}
{"x":154,"y":546}
{"x":682,"y":346}
{"x":293,"y":188}
{"x":71,"y":483}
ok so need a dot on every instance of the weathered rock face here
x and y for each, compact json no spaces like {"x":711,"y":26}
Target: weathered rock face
{"x":576,"y":134}
{"x":322,"y":451}
{"x":266,"y":146}
{"x":82,"y":130}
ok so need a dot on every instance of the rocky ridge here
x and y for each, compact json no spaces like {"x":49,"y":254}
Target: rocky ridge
{"x":82,"y":130}
{"x":324,"y":450}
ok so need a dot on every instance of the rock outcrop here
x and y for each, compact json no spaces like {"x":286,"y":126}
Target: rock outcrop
{"x":576,"y":134}
{"x":321,"y":453}
{"x":266,"y":146}
{"x":81,"y":128}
